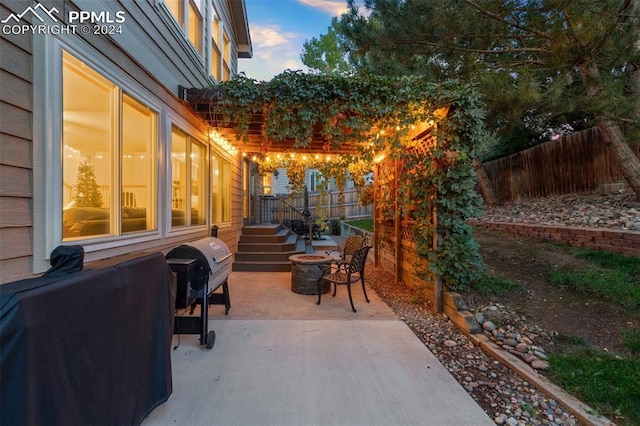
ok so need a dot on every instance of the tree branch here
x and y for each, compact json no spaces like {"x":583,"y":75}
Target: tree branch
{"x":504,"y":21}
{"x":470,"y":50}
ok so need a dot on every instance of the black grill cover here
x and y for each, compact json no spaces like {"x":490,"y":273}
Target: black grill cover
{"x":91,"y":347}
{"x":202,"y":270}
{"x":65,"y":259}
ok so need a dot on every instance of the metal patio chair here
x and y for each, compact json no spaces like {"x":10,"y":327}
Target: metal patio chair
{"x":351,"y":273}
{"x":351,"y":245}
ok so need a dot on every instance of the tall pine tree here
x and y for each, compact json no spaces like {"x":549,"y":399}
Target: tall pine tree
{"x":540,"y":63}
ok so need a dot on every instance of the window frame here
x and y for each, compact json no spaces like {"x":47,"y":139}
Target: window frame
{"x":200,"y":32}
{"x":48,"y":146}
{"x":222,"y":159}
{"x":116,"y":157}
{"x":182,"y":24}
{"x":216,"y":69}
{"x":226,"y":55}
{"x":190,"y":141}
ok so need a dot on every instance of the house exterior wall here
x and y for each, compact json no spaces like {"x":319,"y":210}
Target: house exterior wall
{"x":151,"y":58}
{"x":16,"y":107}
{"x":282,"y":183}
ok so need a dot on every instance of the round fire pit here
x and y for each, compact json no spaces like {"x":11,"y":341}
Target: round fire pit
{"x":306,"y":271}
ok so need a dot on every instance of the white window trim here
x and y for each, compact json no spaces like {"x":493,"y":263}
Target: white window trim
{"x":184,"y":33}
{"x":212,"y":11}
{"x":196,"y":135}
{"x":224,"y":156}
{"x":47,"y":147}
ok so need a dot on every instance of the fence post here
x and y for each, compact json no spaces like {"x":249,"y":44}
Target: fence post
{"x":280,"y":210}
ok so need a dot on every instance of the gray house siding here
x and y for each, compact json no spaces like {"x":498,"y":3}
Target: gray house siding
{"x":282,"y":183}
{"x":153,"y":52}
{"x":16,"y":107}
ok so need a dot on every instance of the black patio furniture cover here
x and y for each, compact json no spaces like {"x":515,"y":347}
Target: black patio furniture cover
{"x":91,"y":347}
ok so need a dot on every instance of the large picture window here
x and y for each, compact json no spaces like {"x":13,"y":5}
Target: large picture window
{"x":220,"y":189}
{"x":109,"y":149}
{"x":188,"y":180}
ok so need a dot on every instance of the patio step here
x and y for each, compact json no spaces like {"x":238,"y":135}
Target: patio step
{"x":262,"y":266}
{"x":269,"y":246}
{"x":279,"y":237}
{"x":262,"y":256}
{"x":266,"y":248}
{"x":264,"y":229}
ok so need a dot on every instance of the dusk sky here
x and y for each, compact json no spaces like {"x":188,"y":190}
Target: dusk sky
{"x":278,"y":30}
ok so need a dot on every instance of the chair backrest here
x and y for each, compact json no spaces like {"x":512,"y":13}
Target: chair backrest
{"x":298,"y":226}
{"x":128,"y":199}
{"x":351,"y":245}
{"x":358,"y":260}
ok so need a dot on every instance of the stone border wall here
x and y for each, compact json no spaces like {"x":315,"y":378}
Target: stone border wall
{"x":612,"y":240}
{"x":346,"y":230}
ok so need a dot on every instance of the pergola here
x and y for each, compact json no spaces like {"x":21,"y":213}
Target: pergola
{"x":409,"y":150}
{"x":205,"y":101}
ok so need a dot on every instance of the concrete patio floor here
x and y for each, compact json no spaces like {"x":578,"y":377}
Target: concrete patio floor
{"x":280,"y":359}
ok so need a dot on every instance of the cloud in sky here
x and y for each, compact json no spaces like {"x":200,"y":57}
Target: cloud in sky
{"x":279,"y":30}
{"x":274,"y":50}
{"x":333,"y":7}
{"x":271,"y":36}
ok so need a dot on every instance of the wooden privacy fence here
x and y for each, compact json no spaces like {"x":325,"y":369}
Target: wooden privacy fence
{"x":575,"y":163}
{"x":349,"y":209}
{"x":328,"y":206}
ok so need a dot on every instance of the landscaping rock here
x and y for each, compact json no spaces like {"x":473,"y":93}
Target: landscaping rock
{"x":592,"y":209}
{"x":488,"y":325}
{"x":497,"y":389}
{"x":510,"y":342}
{"x":540,"y":365}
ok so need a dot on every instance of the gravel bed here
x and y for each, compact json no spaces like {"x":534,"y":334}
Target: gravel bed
{"x":620,"y":210}
{"x":502,"y":394}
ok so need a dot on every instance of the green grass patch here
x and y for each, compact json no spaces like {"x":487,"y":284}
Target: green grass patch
{"x":608,"y":384}
{"x":613,"y":284}
{"x":366,"y":224}
{"x":495,"y":286}
{"x":631,"y":341}
{"x":571,"y":339}
{"x":625,"y":264}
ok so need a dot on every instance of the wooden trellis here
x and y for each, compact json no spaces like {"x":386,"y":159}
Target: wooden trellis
{"x":394,"y":239}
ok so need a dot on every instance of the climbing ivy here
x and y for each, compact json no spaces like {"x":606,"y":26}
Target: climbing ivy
{"x":377,"y":114}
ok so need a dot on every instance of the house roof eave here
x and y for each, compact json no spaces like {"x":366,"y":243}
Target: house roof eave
{"x":241,"y":27}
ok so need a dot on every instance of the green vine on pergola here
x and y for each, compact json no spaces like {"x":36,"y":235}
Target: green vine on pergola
{"x":378,"y":115}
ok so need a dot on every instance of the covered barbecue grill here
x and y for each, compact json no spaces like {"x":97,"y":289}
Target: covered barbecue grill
{"x":201,"y":267}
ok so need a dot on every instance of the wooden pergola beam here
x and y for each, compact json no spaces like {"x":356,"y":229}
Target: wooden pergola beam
{"x":204,"y":102}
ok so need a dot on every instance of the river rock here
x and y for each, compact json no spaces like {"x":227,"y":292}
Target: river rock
{"x":510,"y":342}
{"x":540,"y":354}
{"x":540,"y":365}
{"x":488,"y":325}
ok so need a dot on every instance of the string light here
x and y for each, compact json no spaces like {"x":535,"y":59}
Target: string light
{"x":283,"y":157}
{"x":378,"y":158}
{"x":223,"y":143}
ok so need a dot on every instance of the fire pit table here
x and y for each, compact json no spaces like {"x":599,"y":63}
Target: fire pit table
{"x":306,"y":271}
